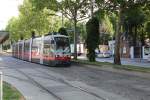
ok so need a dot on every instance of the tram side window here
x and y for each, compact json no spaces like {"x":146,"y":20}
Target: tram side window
{"x":48,"y":48}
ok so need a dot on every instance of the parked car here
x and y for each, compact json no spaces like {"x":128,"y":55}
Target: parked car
{"x":104,"y":54}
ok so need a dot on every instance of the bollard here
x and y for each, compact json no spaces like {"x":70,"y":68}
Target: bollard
{"x":1,"y":86}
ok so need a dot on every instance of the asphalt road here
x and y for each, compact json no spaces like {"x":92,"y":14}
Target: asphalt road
{"x":78,"y":82}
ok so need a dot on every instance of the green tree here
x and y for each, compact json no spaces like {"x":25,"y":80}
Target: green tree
{"x":92,"y":41}
{"x":106,"y":29}
{"x":63,"y":31}
{"x":148,"y":29}
{"x":30,"y":20}
{"x":133,"y":22}
{"x":33,"y":20}
{"x":147,"y":22}
{"x":74,"y":10}
{"x":12,"y":27}
{"x":119,"y":7}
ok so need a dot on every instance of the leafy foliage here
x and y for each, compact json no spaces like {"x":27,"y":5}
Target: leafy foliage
{"x":92,"y":41}
{"x":120,"y":7}
{"x":30,"y":20}
{"x":63,"y":31}
{"x":133,"y":22}
{"x":74,"y":10}
{"x":148,"y":29}
{"x":115,"y":18}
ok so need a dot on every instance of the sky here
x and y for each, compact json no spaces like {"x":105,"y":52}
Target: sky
{"x":8,"y":9}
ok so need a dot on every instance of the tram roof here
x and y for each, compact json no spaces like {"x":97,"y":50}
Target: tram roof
{"x":61,"y":36}
{"x":47,"y":35}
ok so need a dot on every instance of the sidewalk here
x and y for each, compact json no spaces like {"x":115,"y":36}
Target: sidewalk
{"x":124,"y":61}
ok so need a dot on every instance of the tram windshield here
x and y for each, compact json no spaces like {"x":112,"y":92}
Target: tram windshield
{"x":62,"y":44}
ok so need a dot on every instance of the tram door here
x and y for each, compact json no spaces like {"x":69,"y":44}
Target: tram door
{"x":36,"y":50}
{"x":48,"y":51}
{"x":13,"y":50}
{"x":20,"y":44}
{"x":26,"y":50}
{"x":16,"y":53}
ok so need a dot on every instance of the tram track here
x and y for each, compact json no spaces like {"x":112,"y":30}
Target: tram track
{"x":121,"y":85}
{"x":32,"y":81}
{"x":51,"y":77}
{"x":73,"y":86}
{"x":54,"y":78}
{"x":39,"y":85}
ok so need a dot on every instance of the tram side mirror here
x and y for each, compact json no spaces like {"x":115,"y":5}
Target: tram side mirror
{"x":52,"y":42}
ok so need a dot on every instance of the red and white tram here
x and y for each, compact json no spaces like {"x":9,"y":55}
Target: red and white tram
{"x":49,"y":50}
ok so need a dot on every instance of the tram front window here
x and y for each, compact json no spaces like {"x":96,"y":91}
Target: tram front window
{"x":62,"y":44}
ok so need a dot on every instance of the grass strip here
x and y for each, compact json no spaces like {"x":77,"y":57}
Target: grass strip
{"x":122,"y":67}
{"x":11,"y":93}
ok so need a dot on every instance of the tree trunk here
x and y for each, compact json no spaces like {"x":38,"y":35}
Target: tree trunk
{"x":135,"y":36}
{"x":117,"y":41}
{"x":142,"y":38}
{"x":75,"y":39}
{"x":92,"y":8}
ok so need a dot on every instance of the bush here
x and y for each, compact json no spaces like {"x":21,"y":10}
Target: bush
{"x":92,"y":41}
{"x":63,"y":31}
